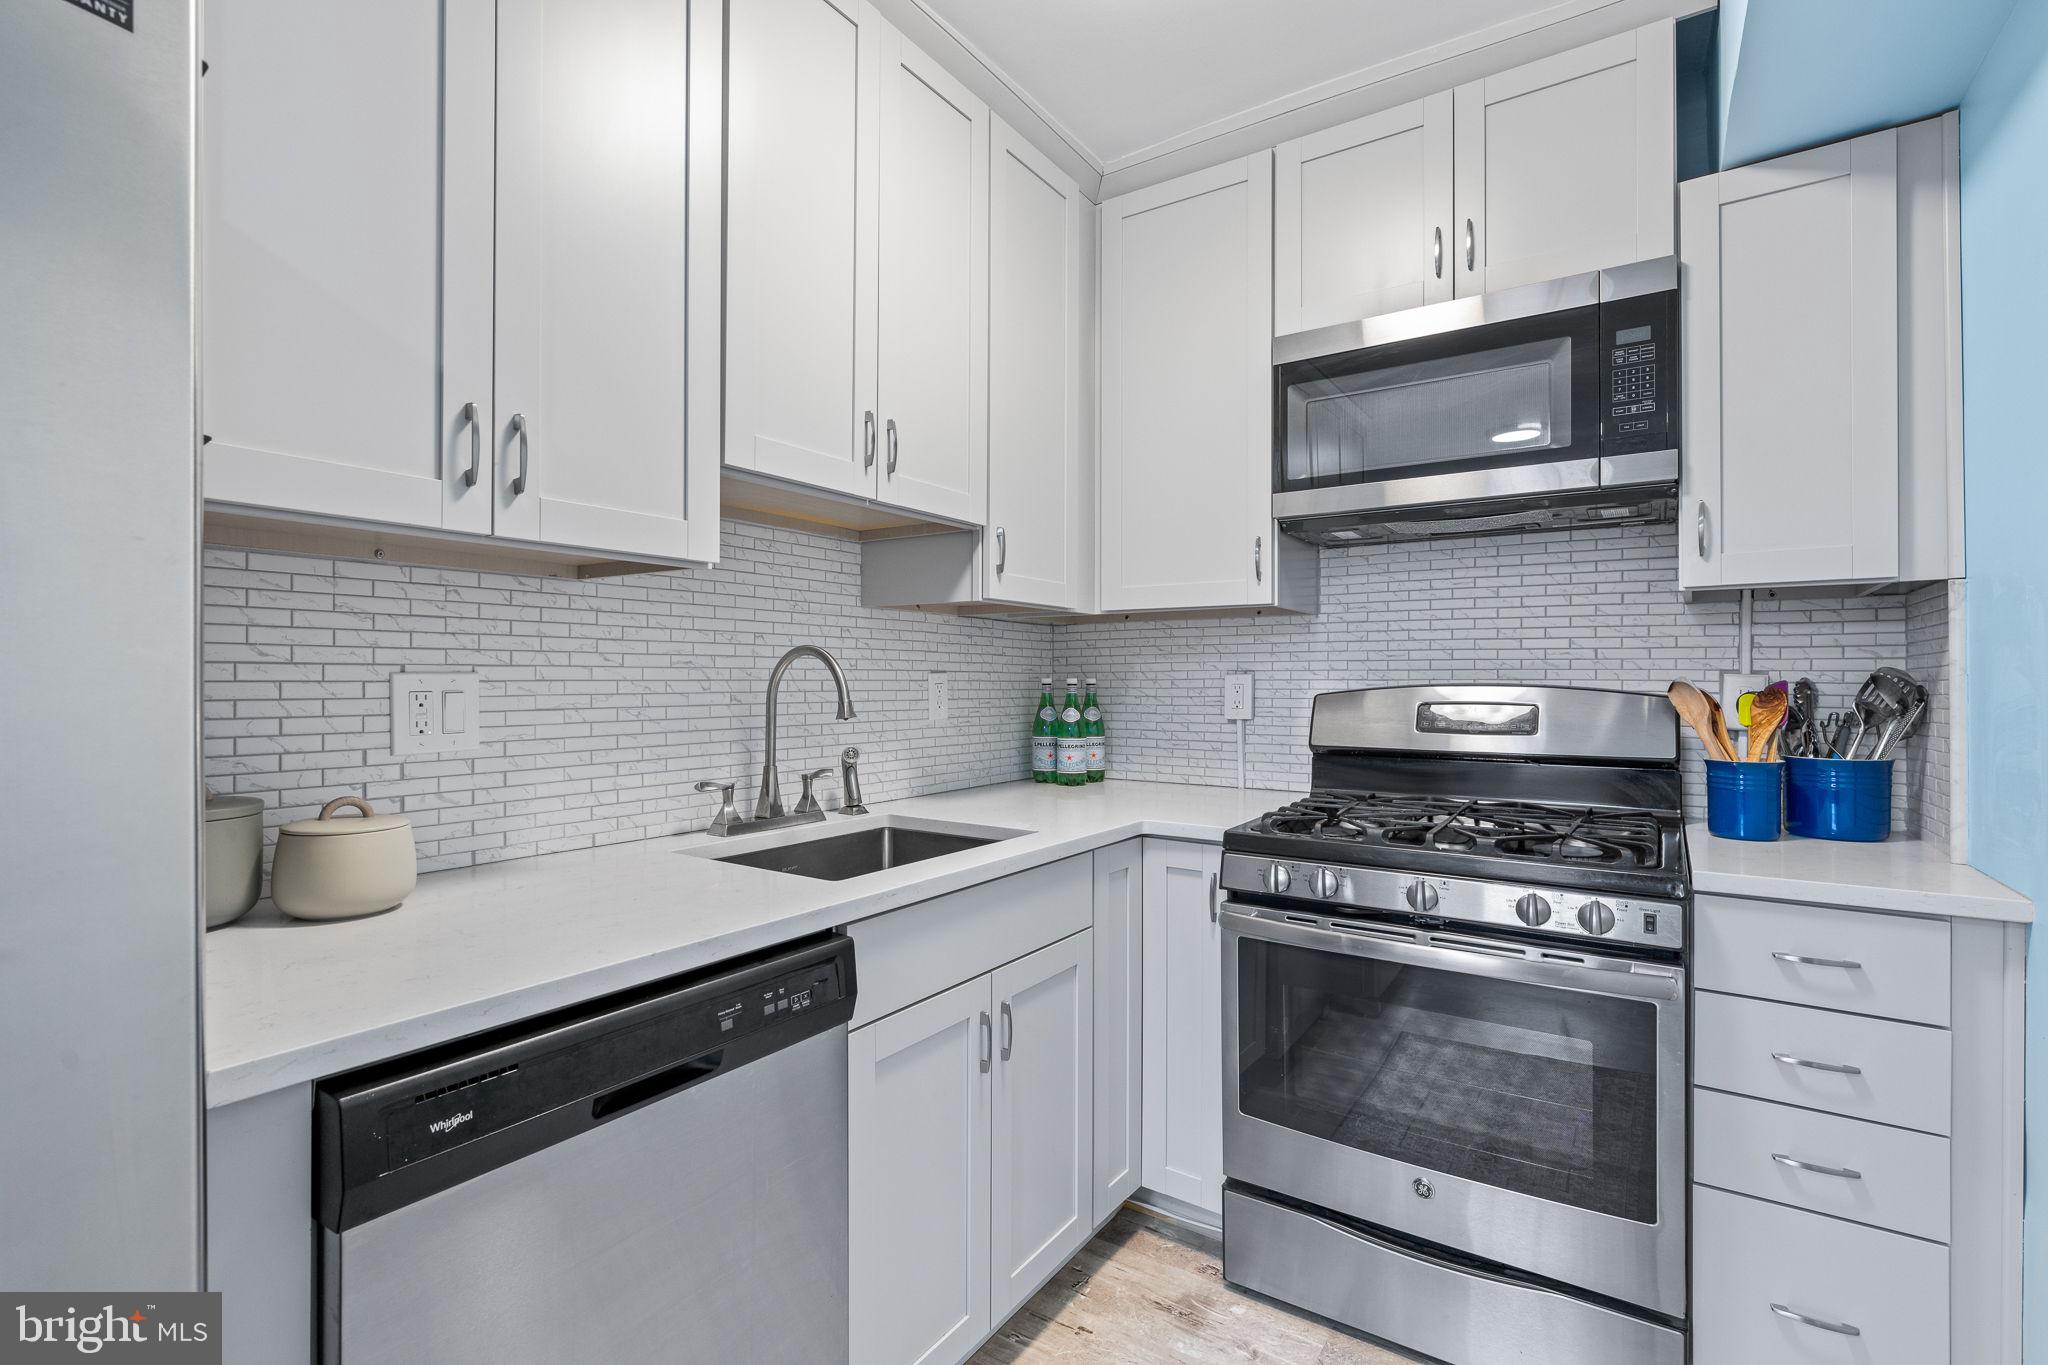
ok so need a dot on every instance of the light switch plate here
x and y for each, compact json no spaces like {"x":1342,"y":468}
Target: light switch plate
{"x":1237,"y":696}
{"x":436,"y":713}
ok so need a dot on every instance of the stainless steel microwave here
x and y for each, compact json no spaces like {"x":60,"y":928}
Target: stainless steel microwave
{"x":1547,"y":405}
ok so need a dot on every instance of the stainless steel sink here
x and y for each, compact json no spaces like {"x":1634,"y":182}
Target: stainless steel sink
{"x":836,"y":857}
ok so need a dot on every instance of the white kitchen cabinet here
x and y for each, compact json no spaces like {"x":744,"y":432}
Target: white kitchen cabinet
{"x":606,"y":274}
{"x":857,"y":273}
{"x":931,"y":240}
{"x":1566,"y":164}
{"x":918,"y":1100}
{"x":799,"y":386}
{"x":1362,"y":217}
{"x":345,"y":297}
{"x":480,"y":293}
{"x":1822,"y":391}
{"x":1187,"y":398}
{"x":1183,"y":1066}
{"x":1119,"y":1024}
{"x":1042,"y":1118}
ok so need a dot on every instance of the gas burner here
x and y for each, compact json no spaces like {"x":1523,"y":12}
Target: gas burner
{"x":1508,"y":829}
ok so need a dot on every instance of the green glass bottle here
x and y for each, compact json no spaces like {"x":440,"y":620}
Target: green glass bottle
{"x":1044,"y":735}
{"x":1072,"y":766}
{"x":1092,"y":731}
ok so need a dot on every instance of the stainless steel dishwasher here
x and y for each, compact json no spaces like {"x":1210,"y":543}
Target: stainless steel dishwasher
{"x":660,"y":1176}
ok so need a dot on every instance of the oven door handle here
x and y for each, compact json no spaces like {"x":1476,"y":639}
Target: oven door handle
{"x":1616,"y":977}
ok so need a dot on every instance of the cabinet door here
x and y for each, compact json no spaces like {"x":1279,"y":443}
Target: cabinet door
{"x":1567,"y":164}
{"x":800,"y":324}
{"x":931,"y":239}
{"x":1183,"y":1121}
{"x":1187,"y":391}
{"x":1791,"y":316}
{"x":1119,"y":1023}
{"x":918,"y":1166}
{"x":1040,"y":1210}
{"x":1362,"y":217}
{"x":1034,"y":376}
{"x":598,"y":174}
{"x":345,"y":236}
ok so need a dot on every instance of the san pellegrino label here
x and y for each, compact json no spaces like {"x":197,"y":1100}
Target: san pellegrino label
{"x":1098,"y":740}
{"x":1071,"y":769}
{"x":1044,"y":735}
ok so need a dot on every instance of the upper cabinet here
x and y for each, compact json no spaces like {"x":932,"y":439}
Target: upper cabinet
{"x":1187,"y":398}
{"x":1567,"y":164}
{"x":1362,"y":217}
{"x":1558,"y":167}
{"x":1821,"y":365}
{"x":346,"y":301}
{"x":857,"y":273}
{"x":479,"y":294}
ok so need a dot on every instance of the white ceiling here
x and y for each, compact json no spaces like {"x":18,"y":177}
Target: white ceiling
{"x":1120,"y":78}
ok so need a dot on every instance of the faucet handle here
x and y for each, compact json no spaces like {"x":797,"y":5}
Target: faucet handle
{"x":728,"y":814}
{"x":809,"y":801}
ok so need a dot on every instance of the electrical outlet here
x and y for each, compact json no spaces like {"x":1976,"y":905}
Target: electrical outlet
{"x":938,"y":691}
{"x":1734,"y":686}
{"x":1237,"y":696}
{"x":436,"y":713}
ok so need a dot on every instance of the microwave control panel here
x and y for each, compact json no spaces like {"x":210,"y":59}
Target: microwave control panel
{"x":1639,"y":373}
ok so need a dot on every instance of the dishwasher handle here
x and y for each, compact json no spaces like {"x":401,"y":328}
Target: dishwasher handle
{"x":659,"y":1086}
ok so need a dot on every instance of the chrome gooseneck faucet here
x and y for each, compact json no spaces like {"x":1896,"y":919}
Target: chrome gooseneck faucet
{"x":769,"y":805}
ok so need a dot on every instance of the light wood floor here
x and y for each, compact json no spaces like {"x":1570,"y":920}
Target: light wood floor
{"x":1147,"y":1291}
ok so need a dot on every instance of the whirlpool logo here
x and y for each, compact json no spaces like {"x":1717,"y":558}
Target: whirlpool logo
{"x":173,"y":1329}
{"x":452,"y":1122}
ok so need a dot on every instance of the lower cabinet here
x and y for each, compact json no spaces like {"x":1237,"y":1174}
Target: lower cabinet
{"x":1119,"y":1023}
{"x":970,"y":1121}
{"x":1183,"y":1024}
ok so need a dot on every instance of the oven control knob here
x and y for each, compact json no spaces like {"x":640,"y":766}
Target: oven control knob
{"x":1422,"y":897}
{"x":1276,"y":878}
{"x":1596,"y":917}
{"x":1323,"y":882}
{"x":1532,"y":910}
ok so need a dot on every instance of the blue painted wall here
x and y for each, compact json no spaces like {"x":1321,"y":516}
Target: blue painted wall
{"x":1796,"y":73}
{"x":2005,"y":364}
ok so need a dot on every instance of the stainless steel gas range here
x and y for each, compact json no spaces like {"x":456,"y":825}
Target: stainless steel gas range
{"x":1455,"y":1027}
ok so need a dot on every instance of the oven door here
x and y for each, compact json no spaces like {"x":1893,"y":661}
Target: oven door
{"x":1496,"y":410}
{"x":1522,"y":1105}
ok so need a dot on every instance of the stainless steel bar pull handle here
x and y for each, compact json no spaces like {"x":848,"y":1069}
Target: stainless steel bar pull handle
{"x":1836,"y":1068}
{"x":1002,"y":551}
{"x":1700,"y":532}
{"x":1215,"y":897}
{"x":1009,"y":1031}
{"x":476,"y":446}
{"x":1471,"y":243}
{"x":1805,"y":1320}
{"x":1436,"y":254}
{"x":519,"y":429}
{"x":1259,"y":559}
{"x":988,"y":1034}
{"x":867,"y":440}
{"x":892,"y":447}
{"x":1801,"y":960}
{"x":1839,"y":1172}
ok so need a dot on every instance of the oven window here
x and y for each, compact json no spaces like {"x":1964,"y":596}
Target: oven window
{"x":1535,"y":1089}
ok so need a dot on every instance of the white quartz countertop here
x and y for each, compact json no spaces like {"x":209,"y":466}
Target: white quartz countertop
{"x":288,"y":1002}
{"x":1896,"y":874}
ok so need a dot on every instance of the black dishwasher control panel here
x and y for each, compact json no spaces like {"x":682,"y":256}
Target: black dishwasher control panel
{"x":392,"y":1134}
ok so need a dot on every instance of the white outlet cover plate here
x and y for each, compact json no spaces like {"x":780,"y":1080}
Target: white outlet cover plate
{"x":409,"y":739}
{"x":939,"y":693}
{"x":1733,"y":685}
{"x":1237,"y":696}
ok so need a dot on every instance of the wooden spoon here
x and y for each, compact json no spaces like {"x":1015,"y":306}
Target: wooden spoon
{"x":1766,"y":714}
{"x":1704,"y":716}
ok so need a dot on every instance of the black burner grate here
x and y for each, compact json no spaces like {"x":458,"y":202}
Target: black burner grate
{"x":1513,"y":829}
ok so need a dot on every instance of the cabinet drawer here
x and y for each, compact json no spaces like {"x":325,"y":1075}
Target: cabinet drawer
{"x":905,"y":955}
{"x":1866,"y":1172}
{"x":1750,"y":1256}
{"x":1755,"y":1047}
{"x":1886,"y":965}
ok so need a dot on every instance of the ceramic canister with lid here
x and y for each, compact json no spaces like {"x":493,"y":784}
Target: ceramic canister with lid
{"x":336,"y":867}
{"x":234,"y":857}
